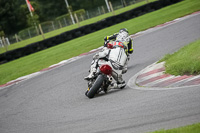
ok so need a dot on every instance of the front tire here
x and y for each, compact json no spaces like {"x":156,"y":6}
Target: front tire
{"x":97,"y":84}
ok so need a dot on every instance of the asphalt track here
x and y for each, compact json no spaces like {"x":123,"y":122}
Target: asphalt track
{"x":54,"y":102}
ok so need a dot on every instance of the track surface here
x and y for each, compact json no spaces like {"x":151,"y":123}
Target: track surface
{"x":55,"y":100}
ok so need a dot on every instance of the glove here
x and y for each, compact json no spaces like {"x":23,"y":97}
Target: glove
{"x":130,"y":51}
{"x":106,"y":38}
{"x":105,"y":43}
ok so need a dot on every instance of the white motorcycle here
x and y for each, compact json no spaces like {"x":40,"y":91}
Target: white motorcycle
{"x":110,"y":64}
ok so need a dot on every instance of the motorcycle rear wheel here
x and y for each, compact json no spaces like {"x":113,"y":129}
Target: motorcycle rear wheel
{"x":96,"y":86}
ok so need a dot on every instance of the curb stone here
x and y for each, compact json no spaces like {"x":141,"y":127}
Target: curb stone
{"x":153,"y":77}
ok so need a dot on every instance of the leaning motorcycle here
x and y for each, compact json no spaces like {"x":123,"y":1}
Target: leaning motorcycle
{"x":109,"y":66}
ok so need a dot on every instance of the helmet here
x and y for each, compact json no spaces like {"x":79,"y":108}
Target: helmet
{"x":123,"y":35}
{"x":123,"y":30}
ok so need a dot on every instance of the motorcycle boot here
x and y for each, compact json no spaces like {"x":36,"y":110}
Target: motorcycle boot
{"x":121,"y":85}
{"x":91,"y":74}
{"x":120,"y":82}
{"x":117,"y":85}
{"x":92,"y":70}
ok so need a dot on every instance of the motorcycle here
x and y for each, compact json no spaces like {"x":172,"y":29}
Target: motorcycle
{"x":109,"y":66}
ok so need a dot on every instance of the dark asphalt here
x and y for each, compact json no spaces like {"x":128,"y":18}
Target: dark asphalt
{"x":54,"y":102}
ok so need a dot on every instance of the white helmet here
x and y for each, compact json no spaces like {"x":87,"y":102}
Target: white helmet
{"x":123,"y":35}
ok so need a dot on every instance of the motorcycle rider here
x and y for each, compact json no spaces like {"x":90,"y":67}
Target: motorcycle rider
{"x":123,"y":37}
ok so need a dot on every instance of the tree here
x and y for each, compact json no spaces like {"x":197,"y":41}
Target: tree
{"x":7,"y":16}
{"x":51,"y":9}
{"x":26,"y":16}
{"x":14,"y":15}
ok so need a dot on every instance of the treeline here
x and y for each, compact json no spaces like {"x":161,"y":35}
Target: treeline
{"x":15,"y":16}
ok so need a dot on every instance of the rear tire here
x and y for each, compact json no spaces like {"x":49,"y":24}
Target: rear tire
{"x":97,"y":84}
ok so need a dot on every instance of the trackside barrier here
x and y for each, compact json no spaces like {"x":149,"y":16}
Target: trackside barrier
{"x":84,"y":30}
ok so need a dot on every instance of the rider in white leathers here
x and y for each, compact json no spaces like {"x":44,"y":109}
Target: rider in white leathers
{"x":123,"y":37}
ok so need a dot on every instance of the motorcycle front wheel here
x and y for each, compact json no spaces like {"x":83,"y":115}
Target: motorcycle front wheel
{"x":96,"y":86}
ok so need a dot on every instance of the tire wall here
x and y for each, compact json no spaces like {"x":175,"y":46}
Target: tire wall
{"x":75,"y":33}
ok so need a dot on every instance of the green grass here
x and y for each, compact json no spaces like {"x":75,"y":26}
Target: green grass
{"x":64,"y":29}
{"x":195,"y":128}
{"x":45,"y":58}
{"x":185,"y":61}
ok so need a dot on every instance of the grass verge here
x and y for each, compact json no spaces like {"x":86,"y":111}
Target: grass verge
{"x":195,"y":128}
{"x":45,"y":58}
{"x":64,"y":29}
{"x":186,"y":61}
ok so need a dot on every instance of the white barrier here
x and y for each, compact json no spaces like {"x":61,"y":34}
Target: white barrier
{"x":7,"y":42}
